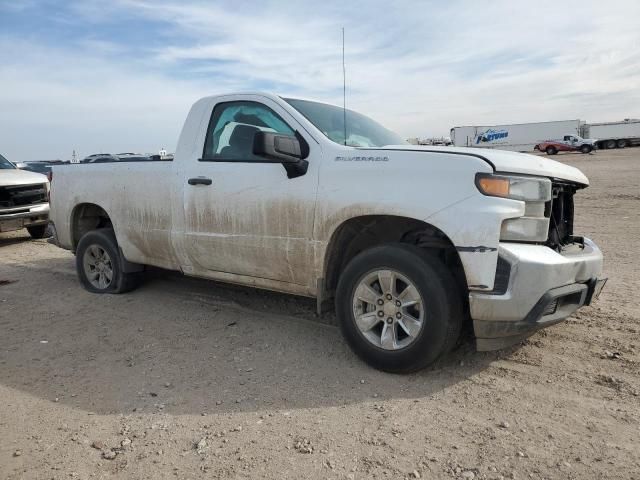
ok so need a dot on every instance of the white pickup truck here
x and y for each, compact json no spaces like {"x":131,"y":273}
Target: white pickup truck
{"x":279,"y":193}
{"x":24,"y":200}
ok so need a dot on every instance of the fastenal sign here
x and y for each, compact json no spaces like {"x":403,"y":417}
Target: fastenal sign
{"x":491,"y":135}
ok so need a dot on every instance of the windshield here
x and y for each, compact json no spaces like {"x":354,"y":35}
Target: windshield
{"x":361,"y":130}
{"x":6,"y":164}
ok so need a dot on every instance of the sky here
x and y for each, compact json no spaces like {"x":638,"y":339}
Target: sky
{"x":95,"y":76}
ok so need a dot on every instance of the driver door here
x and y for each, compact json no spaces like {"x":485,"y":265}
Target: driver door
{"x":245,"y":216}
{"x":566,"y":143}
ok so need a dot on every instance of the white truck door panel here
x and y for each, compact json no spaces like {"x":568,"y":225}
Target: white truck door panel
{"x":144,"y":226}
{"x":251,"y":220}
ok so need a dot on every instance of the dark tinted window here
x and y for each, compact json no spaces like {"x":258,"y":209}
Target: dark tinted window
{"x":135,"y":158}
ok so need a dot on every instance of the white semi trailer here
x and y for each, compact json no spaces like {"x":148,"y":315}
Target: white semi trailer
{"x":614,"y":134}
{"x":519,"y":137}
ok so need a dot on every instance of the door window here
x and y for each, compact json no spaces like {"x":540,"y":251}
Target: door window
{"x":233,"y":126}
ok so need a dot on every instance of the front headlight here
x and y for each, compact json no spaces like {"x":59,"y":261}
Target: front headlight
{"x":534,"y":189}
{"x":535,"y":192}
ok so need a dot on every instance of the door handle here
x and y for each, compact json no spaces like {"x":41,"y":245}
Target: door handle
{"x":199,"y":181}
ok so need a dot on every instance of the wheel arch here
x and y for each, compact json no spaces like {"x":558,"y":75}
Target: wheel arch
{"x":86,"y":217}
{"x":359,"y":233}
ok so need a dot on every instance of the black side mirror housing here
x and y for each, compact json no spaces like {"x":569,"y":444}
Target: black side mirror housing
{"x":289,"y":150}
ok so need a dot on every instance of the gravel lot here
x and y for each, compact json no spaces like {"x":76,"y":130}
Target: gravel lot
{"x":186,"y":378}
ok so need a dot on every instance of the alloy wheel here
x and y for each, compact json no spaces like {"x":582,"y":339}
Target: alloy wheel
{"x":98,"y":267}
{"x":388,"y":309}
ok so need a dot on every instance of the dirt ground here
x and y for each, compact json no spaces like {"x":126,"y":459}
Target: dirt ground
{"x":186,"y":378}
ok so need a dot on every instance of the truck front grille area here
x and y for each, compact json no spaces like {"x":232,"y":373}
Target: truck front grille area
{"x":503,"y":273}
{"x":560,"y":212}
{"x":22,"y":195}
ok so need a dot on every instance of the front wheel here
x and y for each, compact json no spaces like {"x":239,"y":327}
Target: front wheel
{"x":551,"y":150}
{"x":100,"y":266}
{"x":399,"y":308}
{"x":586,"y":148}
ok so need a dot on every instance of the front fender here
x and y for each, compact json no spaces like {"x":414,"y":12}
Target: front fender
{"x":435,"y":187}
{"x":473,"y":226}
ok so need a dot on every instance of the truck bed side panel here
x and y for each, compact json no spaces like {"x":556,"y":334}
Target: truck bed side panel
{"x":137,"y":198}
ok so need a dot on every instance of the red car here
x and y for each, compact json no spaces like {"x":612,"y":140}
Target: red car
{"x":569,"y":143}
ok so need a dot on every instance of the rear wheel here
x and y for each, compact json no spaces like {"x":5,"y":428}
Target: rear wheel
{"x":99,"y":264}
{"x":551,"y":150}
{"x":611,"y":144}
{"x":621,"y":143}
{"x":399,"y":308}
{"x":586,"y":148}
{"x":38,"y":231}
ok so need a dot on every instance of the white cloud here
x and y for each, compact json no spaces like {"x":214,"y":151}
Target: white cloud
{"x":418,"y":67}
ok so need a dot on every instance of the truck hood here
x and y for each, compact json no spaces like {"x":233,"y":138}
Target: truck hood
{"x":9,"y":178}
{"x":510,"y":162}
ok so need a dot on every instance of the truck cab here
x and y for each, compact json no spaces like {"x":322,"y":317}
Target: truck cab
{"x":571,"y":140}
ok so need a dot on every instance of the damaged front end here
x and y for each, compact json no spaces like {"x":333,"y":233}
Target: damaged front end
{"x":560,"y":212}
{"x":541,"y":283}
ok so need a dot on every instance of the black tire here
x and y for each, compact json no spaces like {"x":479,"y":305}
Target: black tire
{"x":38,"y":231}
{"x":610,"y":144}
{"x":586,"y":148}
{"x":621,"y":143}
{"x":105,"y":239}
{"x":442,"y":299}
{"x":551,"y":150}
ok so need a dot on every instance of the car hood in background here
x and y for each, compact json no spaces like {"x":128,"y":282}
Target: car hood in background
{"x":20,"y":177}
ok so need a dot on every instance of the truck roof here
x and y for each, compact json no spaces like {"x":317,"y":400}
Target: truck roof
{"x":271,"y":96}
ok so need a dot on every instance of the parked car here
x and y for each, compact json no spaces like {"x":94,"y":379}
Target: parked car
{"x":410,"y":241}
{"x":39,"y":166}
{"x":120,"y":157}
{"x":24,"y":200}
{"x":100,"y":158}
{"x":569,"y":143}
{"x":133,"y":157}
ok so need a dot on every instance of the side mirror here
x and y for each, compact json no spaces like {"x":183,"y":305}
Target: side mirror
{"x":275,"y":146}
{"x":290,"y":150}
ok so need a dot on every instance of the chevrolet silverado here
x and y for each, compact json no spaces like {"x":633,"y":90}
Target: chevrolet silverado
{"x":310,"y":199}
